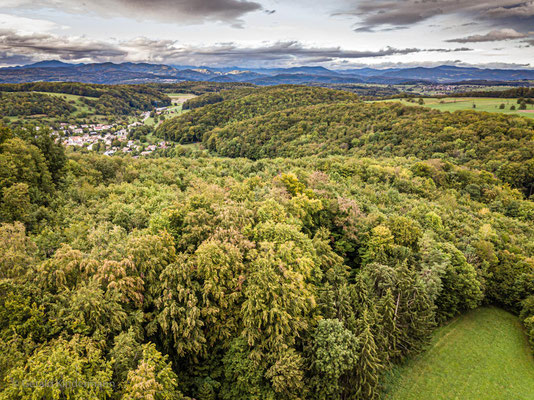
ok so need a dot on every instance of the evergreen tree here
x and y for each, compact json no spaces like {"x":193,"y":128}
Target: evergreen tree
{"x":368,"y":366}
{"x":414,"y":314}
{"x":361,"y":295}
{"x":387,"y":330}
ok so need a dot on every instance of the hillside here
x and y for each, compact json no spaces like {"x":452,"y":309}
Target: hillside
{"x":53,"y":101}
{"x":243,"y":105}
{"x":303,"y":121}
{"x":266,"y":200}
{"x":17,"y":104}
{"x":481,"y":355}
{"x":127,"y":72}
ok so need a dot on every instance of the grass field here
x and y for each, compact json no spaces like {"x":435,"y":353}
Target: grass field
{"x":482,"y":355}
{"x":466,"y":103}
{"x":172,"y":111}
{"x":81,"y":106}
{"x":180,"y":97}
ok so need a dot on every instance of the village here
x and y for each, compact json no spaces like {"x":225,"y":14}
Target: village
{"x":110,"y":138}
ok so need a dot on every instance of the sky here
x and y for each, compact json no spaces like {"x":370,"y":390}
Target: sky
{"x":337,"y":34}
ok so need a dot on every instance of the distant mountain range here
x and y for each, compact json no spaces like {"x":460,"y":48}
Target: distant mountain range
{"x":110,"y":73}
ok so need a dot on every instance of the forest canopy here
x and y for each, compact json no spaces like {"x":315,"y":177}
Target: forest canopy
{"x":314,"y":243}
{"x":303,"y":121}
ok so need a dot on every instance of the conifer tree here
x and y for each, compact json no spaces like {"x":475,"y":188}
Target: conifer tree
{"x":361,"y":293}
{"x":387,"y":330}
{"x":368,"y":366}
{"x":414,"y":316}
{"x":336,"y":296}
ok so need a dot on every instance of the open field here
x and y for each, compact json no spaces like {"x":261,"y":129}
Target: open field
{"x":82,"y":111}
{"x":482,"y":355}
{"x":172,"y":111}
{"x":80,"y":105}
{"x":179,"y":98}
{"x":442,"y":89}
{"x":466,"y":103}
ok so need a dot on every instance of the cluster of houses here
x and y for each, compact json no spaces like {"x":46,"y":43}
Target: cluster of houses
{"x":108,"y":137}
{"x":443,"y":89}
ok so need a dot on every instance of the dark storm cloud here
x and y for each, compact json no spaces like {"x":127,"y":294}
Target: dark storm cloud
{"x":493,"y":36}
{"x":524,"y":10}
{"x":44,"y":45}
{"x":6,"y":58}
{"x":193,"y":11}
{"x":376,"y":13}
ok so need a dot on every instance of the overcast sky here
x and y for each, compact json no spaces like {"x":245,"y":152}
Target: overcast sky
{"x":267,"y":33}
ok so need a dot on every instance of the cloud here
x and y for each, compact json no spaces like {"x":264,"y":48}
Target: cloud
{"x":493,"y":36}
{"x":8,"y":59}
{"x":523,"y":10}
{"x":388,"y":29}
{"x":280,"y":53}
{"x":430,"y":64}
{"x":188,"y":11}
{"x":45,"y":46}
{"x":376,"y":13}
{"x":41,"y":46}
{"x":25,"y":25}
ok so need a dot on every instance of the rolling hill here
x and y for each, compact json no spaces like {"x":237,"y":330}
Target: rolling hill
{"x":128,"y":72}
{"x":302,"y":121}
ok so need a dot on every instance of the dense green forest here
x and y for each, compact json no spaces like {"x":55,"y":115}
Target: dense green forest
{"x":368,"y":91}
{"x":244,"y":104}
{"x":324,"y":122}
{"x":315,"y":242}
{"x":197,"y":102}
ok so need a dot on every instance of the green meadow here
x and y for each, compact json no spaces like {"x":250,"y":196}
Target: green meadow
{"x":466,"y":103}
{"x":180,"y":97}
{"x":73,"y":99}
{"x":482,"y":355}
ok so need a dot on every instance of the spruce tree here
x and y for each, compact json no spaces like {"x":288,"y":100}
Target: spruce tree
{"x":368,"y":366}
{"x":361,"y":293}
{"x":415,"y":315}
{"x":387,"y":328}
